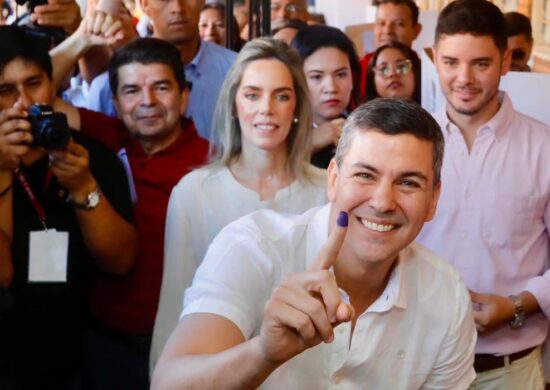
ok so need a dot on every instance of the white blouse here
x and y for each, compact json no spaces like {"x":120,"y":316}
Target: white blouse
{"x":201,"y":204}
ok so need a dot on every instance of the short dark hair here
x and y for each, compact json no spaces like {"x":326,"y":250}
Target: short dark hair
{"x":147,"y":51}
{"x":408,"y":3}
{"x":312,"y":38}
{"x":296,"y":24}
{"x":394,"y":117}
{"x":410,"y":54}
{"x":517,"y":24}
{"x":475,"y":17}
{"x":16,"y":43}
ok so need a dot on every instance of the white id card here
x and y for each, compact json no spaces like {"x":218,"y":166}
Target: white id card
{"x":48,"y":256}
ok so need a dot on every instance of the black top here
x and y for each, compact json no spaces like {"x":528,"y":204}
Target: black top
{"x":322,"y":158}
{"x":40,"y":335}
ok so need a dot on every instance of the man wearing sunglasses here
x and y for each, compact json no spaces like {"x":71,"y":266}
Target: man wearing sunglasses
{"x":289,"y":9}
{"x":493,"y":217}
{"x":520,"y":40}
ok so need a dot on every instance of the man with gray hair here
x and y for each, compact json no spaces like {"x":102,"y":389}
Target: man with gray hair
{"x":339,"y":294}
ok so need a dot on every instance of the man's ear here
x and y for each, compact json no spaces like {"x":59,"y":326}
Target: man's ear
{"x":332,"y":180}
{"x":433,"y":204}
{"x":184,"y":100}
{"x":506,"y":62}
{"x":116,"y":104}
{"x":417,"y":30}
{"x":434,"y":56}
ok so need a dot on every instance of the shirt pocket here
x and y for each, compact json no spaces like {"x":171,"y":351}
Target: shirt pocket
{"x":508,"y":221}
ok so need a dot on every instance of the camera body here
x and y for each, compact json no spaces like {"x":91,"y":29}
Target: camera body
{"x":50,"y":129}
{"x":51,"y":36}
{"x":32,"y":3}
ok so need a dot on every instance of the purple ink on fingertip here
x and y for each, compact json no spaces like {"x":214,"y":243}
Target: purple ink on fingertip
{"x":342,"y":219}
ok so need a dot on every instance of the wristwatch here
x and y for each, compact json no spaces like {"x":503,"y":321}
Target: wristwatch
{"x":92,"y":200}
{"x":519,"y":315}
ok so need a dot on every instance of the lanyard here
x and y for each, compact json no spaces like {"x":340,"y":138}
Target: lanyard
{"x":32,"y":197}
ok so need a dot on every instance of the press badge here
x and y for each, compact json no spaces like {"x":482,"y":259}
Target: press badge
{"x":48,"y":256}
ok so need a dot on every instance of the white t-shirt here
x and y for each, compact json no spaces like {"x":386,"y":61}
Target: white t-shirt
{"x":201,"y":204}
{"x":419,"y":333}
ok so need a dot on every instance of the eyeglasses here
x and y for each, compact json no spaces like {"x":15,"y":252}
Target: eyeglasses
{"x":290,"y":8}
{"x":518,"y":54}
{"x":399,"y":67}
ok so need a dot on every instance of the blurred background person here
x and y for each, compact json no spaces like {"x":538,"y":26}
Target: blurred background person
{"x":286,"y":30}
{"x":289,"y":9}
{"x":396,"y":21}
{"x":520,"y":40}
{"x":394,"y":72}
{"x":316,"y":19}
{"x":330,"y":65}
{"x":263,"y":128}
{"x":212,"y":26}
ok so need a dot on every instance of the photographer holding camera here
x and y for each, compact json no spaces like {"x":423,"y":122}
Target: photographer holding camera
{"x":64,"y":210}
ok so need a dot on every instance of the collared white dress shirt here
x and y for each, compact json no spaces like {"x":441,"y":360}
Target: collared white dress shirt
{"x":418,"y":334}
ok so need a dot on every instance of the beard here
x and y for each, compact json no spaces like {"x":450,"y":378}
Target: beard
{"x":474,"y":110}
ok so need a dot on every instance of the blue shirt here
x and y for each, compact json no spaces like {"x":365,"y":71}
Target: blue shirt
{"x":206,"y":72}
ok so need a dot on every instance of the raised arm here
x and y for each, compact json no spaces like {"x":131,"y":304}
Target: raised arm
{"x":89,"y":45}
{"x":110,"y":239}
{"x":208,"y":351}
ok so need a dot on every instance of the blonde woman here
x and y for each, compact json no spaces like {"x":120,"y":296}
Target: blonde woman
{"x":262,"y":126}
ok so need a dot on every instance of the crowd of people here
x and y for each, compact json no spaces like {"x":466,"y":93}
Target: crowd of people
{"x":176,"y":214}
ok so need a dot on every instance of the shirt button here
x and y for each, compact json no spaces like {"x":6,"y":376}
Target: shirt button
{"x":336,"y":379}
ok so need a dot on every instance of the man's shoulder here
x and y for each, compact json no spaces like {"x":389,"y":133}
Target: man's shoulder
{"x":532,"y":124}
{"x":431,"y":266}
{"x":269,"y":225}
{"x":217,"y":55}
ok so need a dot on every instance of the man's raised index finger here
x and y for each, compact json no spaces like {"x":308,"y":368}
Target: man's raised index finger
{"x":329,"y":253}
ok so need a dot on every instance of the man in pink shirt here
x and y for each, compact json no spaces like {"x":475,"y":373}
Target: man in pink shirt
{"x":493,"y":217}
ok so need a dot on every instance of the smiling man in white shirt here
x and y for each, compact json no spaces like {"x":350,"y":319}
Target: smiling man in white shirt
{"x":340,"y":294}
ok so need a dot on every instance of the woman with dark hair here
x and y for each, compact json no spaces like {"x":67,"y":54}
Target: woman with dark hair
{"x":212,"y":25}
{"x":394,"y":71}
{"x":331,"y":65}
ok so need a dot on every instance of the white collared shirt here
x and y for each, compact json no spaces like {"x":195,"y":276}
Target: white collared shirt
{"x":418,"y":334}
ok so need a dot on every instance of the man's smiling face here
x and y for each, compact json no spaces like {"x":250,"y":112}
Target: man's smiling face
{"x":386,"y":184}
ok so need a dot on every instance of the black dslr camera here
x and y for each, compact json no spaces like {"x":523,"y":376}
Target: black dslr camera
{"x":52,"y":36}
{"x":50,"y":129}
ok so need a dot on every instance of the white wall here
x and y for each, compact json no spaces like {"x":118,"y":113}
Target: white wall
{"x":342,"y":13}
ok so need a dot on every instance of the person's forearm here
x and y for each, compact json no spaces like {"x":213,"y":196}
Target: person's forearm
{"x":94,"y":62}
{"x":240,"y":367}
{"x":66,"y":55}
{"x":110,"y":239}
{"x":530,"y":303}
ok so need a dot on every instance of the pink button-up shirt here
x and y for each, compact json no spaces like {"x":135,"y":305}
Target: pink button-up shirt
{"x":493,"y":217}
